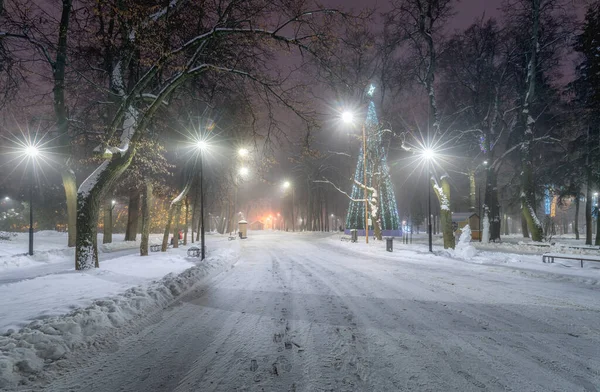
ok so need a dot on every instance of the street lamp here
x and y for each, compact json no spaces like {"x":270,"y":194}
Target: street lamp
{"x":287,"y":185}
{"x":202,"y":146}
{"x":31,"y":152}
{"x":348,"y":118}
{"x":429,"y":155}
{"x":243,"y":152}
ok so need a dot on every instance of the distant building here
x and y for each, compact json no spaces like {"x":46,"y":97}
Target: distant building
{"x":256,"y":225}
{"x":461,"y":219}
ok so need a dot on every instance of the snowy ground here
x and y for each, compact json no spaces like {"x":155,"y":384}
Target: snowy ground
{"x":308,"y":312}
{"x":63,"y":309}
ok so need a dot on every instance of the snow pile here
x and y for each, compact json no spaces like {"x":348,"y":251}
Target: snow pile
{"x":123,"y":245}
{"x":464,"y":250}
{"x":39,"y":257}
{"x":485,"y":235}
{"x":7,"y":236}
{"x":24,"y":354}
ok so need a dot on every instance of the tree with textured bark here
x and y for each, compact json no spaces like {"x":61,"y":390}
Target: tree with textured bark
{"x":22,"y":23}
{"x":540,"y":29}
{"x":227,"y":30}
{"x":586,"y":104}
{"x":148,"y":165}
{"x":420,"y":23}
{"x":109,"y":206}
{"x":146,"y":216}
{"x":474,"y":65}
{"x":442,"y":191}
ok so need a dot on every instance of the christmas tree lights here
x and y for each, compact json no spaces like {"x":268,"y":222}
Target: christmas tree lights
{"x":376,"y":160}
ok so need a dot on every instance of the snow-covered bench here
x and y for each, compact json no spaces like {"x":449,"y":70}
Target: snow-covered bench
{"x":549,"y":257}
{"x":6,"y":236}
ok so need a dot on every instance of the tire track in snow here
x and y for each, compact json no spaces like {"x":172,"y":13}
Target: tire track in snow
{"x":463,"y":340}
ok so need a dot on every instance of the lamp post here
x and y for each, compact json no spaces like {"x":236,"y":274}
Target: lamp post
{"x":348,"y":118}
{"x":287,"y":185}
{"x":31,"y":152}
{"x":202,"y":145}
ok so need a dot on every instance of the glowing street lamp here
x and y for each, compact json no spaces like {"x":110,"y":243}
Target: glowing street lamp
{"x":243,"y":152}
{"x":429,"y":155}
{"x":348,"y":117}
{"x":244,"y":171}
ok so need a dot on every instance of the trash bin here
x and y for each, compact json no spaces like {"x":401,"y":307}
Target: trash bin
{"x":354,"y":235}
{"x":389,"y":244}
{"x":243,"y":225}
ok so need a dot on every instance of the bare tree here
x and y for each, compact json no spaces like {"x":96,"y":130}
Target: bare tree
{"x":420,"y":24}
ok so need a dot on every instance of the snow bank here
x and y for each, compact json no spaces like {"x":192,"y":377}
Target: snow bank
{"x":39,"y":257}
{"x":511,"y":257}
{"x":24,"y":354}
{"x":51,"y":247}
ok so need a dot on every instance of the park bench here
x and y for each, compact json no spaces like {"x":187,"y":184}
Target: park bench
{"x":549,"y":257}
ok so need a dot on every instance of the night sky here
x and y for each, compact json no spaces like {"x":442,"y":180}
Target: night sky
{"x":467,"y":10}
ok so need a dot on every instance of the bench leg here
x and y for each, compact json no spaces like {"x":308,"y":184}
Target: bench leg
{"x":581,"y":263}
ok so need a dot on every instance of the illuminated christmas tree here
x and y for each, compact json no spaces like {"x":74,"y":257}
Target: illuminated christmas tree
{"x":382,"y":200}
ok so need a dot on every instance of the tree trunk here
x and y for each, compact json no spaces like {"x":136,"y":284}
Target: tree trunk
{"x":62,"y":122}
{"x":443,"y":194}
{"x":108,"y":223}
{"x":177,"y":225}
{"x":165,"y":241}
{"x":597,"y":242}
{"x":588,"y":210}
{"x":472,"y":192}
{"x":194,"y":209}
{"x":493,"y":205}
{"x":176,"y":206}
{"x":70,"y":187}
{"x":524,"y":228}
{"x":133,"y":215}
{"x":187,"y":223}
{"x":146,"y":204}
{"x":528,"y":204}
{"x":90,"y":193}
{"x":576,"y":223}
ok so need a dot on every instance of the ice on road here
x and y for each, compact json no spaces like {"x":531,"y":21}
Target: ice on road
{"x":300,"y":313}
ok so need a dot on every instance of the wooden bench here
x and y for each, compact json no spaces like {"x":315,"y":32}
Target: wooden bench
{"x":549,"y":257}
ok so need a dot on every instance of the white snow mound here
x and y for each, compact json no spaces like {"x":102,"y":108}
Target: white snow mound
{"x":24,"y":354}
{"x":464,"y":250}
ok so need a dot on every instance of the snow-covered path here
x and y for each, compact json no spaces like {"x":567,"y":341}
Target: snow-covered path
{"x":298,"y":313}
